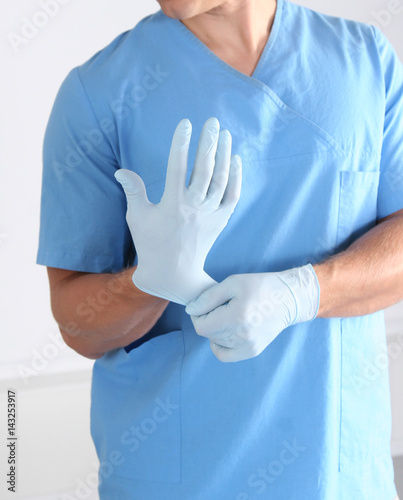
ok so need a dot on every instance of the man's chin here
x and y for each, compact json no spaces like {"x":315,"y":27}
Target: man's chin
{"x":176,"y":9}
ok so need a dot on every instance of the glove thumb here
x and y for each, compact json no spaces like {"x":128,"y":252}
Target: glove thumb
{"x":209,"y":300}
{"x":133,"y":187}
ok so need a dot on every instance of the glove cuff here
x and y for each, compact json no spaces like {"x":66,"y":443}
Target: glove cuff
{"x":304,"y":286}
{"x":189,"y":287}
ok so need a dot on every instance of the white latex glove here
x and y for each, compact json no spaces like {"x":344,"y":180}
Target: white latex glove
{"x":245,"y":312}
{"x":172,"y":239}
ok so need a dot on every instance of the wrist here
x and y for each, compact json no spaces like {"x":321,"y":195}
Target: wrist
{"x":304,"y":285}
{"x":326,"y":273}
{"x":183,"y":287}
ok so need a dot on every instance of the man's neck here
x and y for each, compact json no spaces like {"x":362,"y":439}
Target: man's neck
{"x":236,"y":32}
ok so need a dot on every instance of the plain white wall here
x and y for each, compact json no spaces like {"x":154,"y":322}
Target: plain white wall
{"x":53,"y":381}
{"x":34,"y":74}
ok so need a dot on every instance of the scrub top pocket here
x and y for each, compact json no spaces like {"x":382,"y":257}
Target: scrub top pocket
{"x":136,"y":409}
{"x":357,"y":205}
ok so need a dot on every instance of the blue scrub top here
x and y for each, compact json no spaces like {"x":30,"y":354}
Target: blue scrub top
{"x":319,"y":126}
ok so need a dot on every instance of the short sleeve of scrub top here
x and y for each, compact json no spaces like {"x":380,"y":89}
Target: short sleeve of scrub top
{"x":83,"y":226}
{"x":390,"y":195}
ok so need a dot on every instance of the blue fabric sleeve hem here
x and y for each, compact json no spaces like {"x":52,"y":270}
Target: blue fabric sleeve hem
{"x":77,"y":262}
{"x":390,"y":209}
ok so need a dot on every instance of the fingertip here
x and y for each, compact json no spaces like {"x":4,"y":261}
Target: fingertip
{"x":213,"y":125}
{"x":181,"y":139}
{"x":225,"y":136}
{"x":120,"y":176}
{"x":191,"y":309}
{"x":185,"y":126}
{"x":236,"y":165}
{"x":213,"y":121}
{"x":237,"y":160}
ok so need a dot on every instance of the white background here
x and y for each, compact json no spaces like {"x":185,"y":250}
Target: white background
{"x":55,"y":449}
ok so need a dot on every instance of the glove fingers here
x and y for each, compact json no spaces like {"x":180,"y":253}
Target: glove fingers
{"x":178,"y":158}
{"x":133,"y":187}
{"x":233,"y":191}
{"x":205,"y":157}
{"x":219,"y":180}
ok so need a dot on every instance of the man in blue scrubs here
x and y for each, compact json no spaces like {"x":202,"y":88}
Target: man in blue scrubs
{"x":314,"y":105}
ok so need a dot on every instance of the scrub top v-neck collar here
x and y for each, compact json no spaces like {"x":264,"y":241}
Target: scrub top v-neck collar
{"x":263,"y":57}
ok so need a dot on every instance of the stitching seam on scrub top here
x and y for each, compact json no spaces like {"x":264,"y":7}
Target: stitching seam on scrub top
{"x":180,"y":409}
{"x":376,"y":41}
{"x":326,"y":136}
{"x":95,"y":116}
{"x":337,"y":242}
{"x":98,"y":260}
{"x":345,"y":152}
{"x":298,"y":155}
{"x":272,"y":38}
{"x":341,"y":390}
{"x":252,"y":79}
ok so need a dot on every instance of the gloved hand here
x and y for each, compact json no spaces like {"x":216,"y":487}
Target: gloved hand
{"x":172,"y":239}
{"x":245,"y":312}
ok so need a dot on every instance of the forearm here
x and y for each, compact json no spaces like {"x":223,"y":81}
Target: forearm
{"x":100,"y":312}
{"x":367,"y":277}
